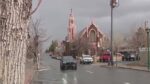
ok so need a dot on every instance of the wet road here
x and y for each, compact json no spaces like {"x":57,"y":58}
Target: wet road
{"x":89,"y":74}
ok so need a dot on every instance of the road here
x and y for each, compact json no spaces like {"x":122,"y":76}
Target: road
{"x":88,"y":74}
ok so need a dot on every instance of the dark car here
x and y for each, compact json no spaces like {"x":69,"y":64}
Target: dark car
{"x":68,"y":62}
{"x":128,"y":56}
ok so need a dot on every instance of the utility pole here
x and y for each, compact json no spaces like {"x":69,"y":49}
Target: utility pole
{"x":148,"y":31}
{"x":113,"y":4}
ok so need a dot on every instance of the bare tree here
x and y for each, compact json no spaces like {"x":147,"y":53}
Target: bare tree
{"x":82,"y":46}
{"x":37,"y":37}
{"x":139,"y":38}
{"x":119,"y":41}
{"x":14,"y":23}
{"x":53,"y":46}
{"x":106,"y":42}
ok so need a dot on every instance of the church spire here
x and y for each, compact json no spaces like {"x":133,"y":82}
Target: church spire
{"x":71,"y":28}
{"x":93,"y":21}
{"x":71,"y":12}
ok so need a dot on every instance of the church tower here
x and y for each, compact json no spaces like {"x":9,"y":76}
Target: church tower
{"x":71,"y":28}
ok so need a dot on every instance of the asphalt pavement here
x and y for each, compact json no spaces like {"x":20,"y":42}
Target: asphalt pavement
{"x":50,"y":73}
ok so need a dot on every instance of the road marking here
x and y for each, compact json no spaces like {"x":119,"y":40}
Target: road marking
{"x":43,"y":69}
{"x":75,"y":80}
{"x":89,"y":72}
{"x":64,"y":79}
{"x":127,"y":83}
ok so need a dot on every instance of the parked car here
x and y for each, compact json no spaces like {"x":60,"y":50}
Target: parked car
{"x":105,"y":57}
{"x":54,"y":57}
{"x":86,"y":59}
{"x":68,"y":62}
{"x":128,"y":56}
{"x":58,"y":57}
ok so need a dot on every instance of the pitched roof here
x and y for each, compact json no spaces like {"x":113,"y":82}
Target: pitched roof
{"x":82,"y":32}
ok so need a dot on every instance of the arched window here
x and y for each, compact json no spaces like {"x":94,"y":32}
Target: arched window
{"x":92,"y":36}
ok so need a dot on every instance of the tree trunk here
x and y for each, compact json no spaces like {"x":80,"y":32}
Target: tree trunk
{"x":14,"y":20}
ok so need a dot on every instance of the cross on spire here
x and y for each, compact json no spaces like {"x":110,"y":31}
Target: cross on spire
{"x":146,"y":22}
{"x":71,"y":12}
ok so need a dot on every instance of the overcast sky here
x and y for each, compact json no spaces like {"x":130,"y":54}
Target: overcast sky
{"x":127,"y":17}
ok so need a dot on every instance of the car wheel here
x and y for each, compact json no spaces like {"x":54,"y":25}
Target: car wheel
{"x":133,"y":59}
{"x":80,"y":62}
{"x":130,"y":59}
{"x":62,"y":68}
{"x":123,"y":59}
{"x":75,"y":68}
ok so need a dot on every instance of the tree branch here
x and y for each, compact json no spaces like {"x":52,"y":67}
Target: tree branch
{"x":36,"y":7}
{"x":44,"y":40}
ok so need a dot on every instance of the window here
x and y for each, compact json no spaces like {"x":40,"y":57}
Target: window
{"x":92,"y":36}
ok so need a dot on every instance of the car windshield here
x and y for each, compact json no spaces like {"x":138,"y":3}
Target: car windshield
{"x":87,"y":56}
{"x":68,"y":58}
{"x":125,"y":53}
{"x":107,"y":54}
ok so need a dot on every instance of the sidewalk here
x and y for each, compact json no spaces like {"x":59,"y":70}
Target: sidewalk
{"x":29,"y":71}
{"x":124,"y":66}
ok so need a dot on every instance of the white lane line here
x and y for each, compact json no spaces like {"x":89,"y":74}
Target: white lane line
{"x":127,"y":83}
{"x":75,"y":80}
{"x":43,"y":69}
{"x":64,"y":79}
{"x":90,"y":72}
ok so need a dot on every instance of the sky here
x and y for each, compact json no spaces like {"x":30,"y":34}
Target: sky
{"x":54,"y":14}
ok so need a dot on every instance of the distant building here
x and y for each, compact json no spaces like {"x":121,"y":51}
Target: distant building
{"x":90,"y":38}
{"x":93,"y":37}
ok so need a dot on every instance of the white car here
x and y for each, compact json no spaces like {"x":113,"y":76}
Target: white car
{"x":86,"y":59}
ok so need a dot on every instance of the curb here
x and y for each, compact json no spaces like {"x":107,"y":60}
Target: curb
{"x":105,"y":66}
{"x":133,"y":69}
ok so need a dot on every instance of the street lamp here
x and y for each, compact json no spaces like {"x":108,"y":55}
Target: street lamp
{"x":113,"y":4}
{"x":148,"y":62}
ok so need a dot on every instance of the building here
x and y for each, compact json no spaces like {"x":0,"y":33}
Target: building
{"x":71,"y":28}
{"x":87,"y":41}
{"x":92,"y":38}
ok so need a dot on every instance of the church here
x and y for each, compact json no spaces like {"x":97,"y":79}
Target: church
{"x":88,"y":40}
